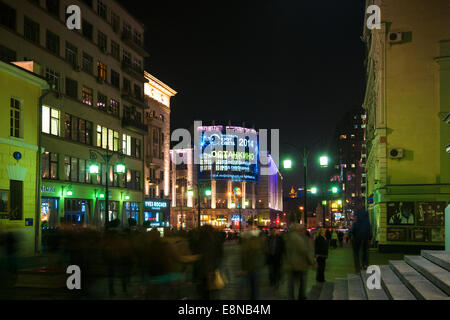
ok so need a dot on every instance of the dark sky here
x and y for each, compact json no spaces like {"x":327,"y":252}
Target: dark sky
{"x":293,"y":65}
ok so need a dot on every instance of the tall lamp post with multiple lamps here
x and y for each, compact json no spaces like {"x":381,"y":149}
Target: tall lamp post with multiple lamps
{"x":207,"y":194}
{"x":119,"y":168}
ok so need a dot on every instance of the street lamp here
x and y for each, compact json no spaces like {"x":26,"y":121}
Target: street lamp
{"x":120,"y":168}
{"x":314,"y":190}
{"x":323,"y":160}
{"x":287,"y":164}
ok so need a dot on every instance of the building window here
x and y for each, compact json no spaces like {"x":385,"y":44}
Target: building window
{"x":87,"y":29}
{"x":126,"y":144}
{"x":78,"y":130}
{"x":7,"y":54}
{"x":114,"y":107}
{"x":71,"y":88}
{"x":107,"y":138}
{"x":87,"y":96}
{"x":101,"y":9}
{"x":101,"y":101}
{"x":115,"y":79}
{"x":137,"y":92}
{"x":15,"y":118}
{"x":126,"y":85}
{"x":126,"y":30}
{"x":88,"y":63}
{"x":133,"y":179}
{"x":50,"y":166}
{"x":16,"y":189}
{"x":126,"y":58}
{"x":52,"y":7}
{"x":71,"y":54}
{"x":52,"y":42}
{"x":137,"y":65}
{"x":7,"y":16}
{"x":31,"y":30}
{"x":102,"y":41}
{"x":50,"y":120}
{"x":137,"y":37}
{"x":75,"y":170}
{"x":101,"y":71}
{"x":136,"y":148}
{"x":53,"y":77}
{"x":115,"y":22}
{"x":115,"y":50}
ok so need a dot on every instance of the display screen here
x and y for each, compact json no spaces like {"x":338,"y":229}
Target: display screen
{"x":228,"y":153}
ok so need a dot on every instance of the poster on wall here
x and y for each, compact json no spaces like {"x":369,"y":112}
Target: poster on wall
{"x":437,"y":235}
{"x":418,"y":234}
{"x":397,"y":234}
{"x":400,"y":213}
{"x":431,"y":213}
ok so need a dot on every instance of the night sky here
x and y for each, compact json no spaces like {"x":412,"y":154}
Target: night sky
{"x":293,"y":65}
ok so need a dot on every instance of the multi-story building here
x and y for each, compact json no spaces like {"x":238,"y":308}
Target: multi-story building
{"x":97,"y":105}
{"x":229,"y":200}
{"x":350,"y":160}
{"x":157,"y":144}
{"x":407,"y":97}
{"x":20,"y":94}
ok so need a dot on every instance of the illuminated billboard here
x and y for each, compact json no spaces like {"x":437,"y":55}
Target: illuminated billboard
{"x":228,"y":153}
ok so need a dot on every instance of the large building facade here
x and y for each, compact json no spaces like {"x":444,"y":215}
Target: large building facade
{"x":96,"y":105}
{"x":20,"y":93}
{"x":227,"y":199}
{"x":407,"y":96}
{"x":350,"y":156}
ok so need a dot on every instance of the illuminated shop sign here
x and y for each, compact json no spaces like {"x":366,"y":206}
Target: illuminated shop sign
{"x":47,"y":189}
{"x":228,"y":153}
{"x":155,"y":205}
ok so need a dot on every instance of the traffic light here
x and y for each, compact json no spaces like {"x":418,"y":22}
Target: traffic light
{"x":208,"y":192}
{"x":335,"y":189}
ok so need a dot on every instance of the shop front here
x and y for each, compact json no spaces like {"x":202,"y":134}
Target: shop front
{"x":76,"y":211}
{"x":156,"y":213}
{"x":49,"y":212}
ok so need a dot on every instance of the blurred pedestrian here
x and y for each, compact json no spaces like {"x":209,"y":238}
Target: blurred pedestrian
{"x":321,"y":253}
{"x":299,"y":257}
{"x":328,"y":236}
{"x":254,"y":250}
{"x":275,"y":253}
{"x":334,"y":239}
{"x":361,"y":232}
{"x":341,"y":238}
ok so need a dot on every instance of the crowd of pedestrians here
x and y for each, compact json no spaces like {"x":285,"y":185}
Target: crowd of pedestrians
{"x":168,"y":265}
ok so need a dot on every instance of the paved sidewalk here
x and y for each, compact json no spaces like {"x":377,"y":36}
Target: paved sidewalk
{"x":339,"y":264}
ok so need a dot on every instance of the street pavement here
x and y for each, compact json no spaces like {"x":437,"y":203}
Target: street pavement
{"x":339,"y":264}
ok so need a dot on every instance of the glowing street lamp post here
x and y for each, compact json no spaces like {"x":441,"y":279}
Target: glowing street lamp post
{"x":94,"y":169}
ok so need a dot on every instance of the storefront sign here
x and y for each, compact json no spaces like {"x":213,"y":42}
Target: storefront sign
{"x":47,"y":189}
{"x":155,"y":205}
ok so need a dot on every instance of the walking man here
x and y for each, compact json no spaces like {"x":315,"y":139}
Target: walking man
{"x":361,"y":233}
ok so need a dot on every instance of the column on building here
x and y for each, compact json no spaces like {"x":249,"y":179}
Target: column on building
{"x":253,"y":195}
{"x":213,"y":194}
{"x":174,"y":180}
{"x":229,"y":188}
{"x":190,"y":177}
{"x":244,"y":196}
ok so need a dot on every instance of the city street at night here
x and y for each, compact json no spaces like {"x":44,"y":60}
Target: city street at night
{"x":214,"y":159}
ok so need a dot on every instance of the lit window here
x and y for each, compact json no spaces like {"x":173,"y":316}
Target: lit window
{"x":50,"y":120}
{"x":126,"y":144}
{"x":87,"y":96}
{"x":343,"y":136}
{"x":107,"y":138}
{"x":101,"y":70}
{"x":353,"y":165}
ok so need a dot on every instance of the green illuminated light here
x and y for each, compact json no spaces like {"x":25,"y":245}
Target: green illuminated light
{"x":93,"y":168}
{"x":69,"y":193}
{"x":127,"y":197}
{"x":339,"y":202}
{"x":120,"y":168}
{"x":102,"y":195}
{"x":324,"y":202}
{"x":208,"y":192}
{"x":313,"y":190}
{"x":323,"y":161}
{"x":287,"y":164}
{"x":335,"y":190}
